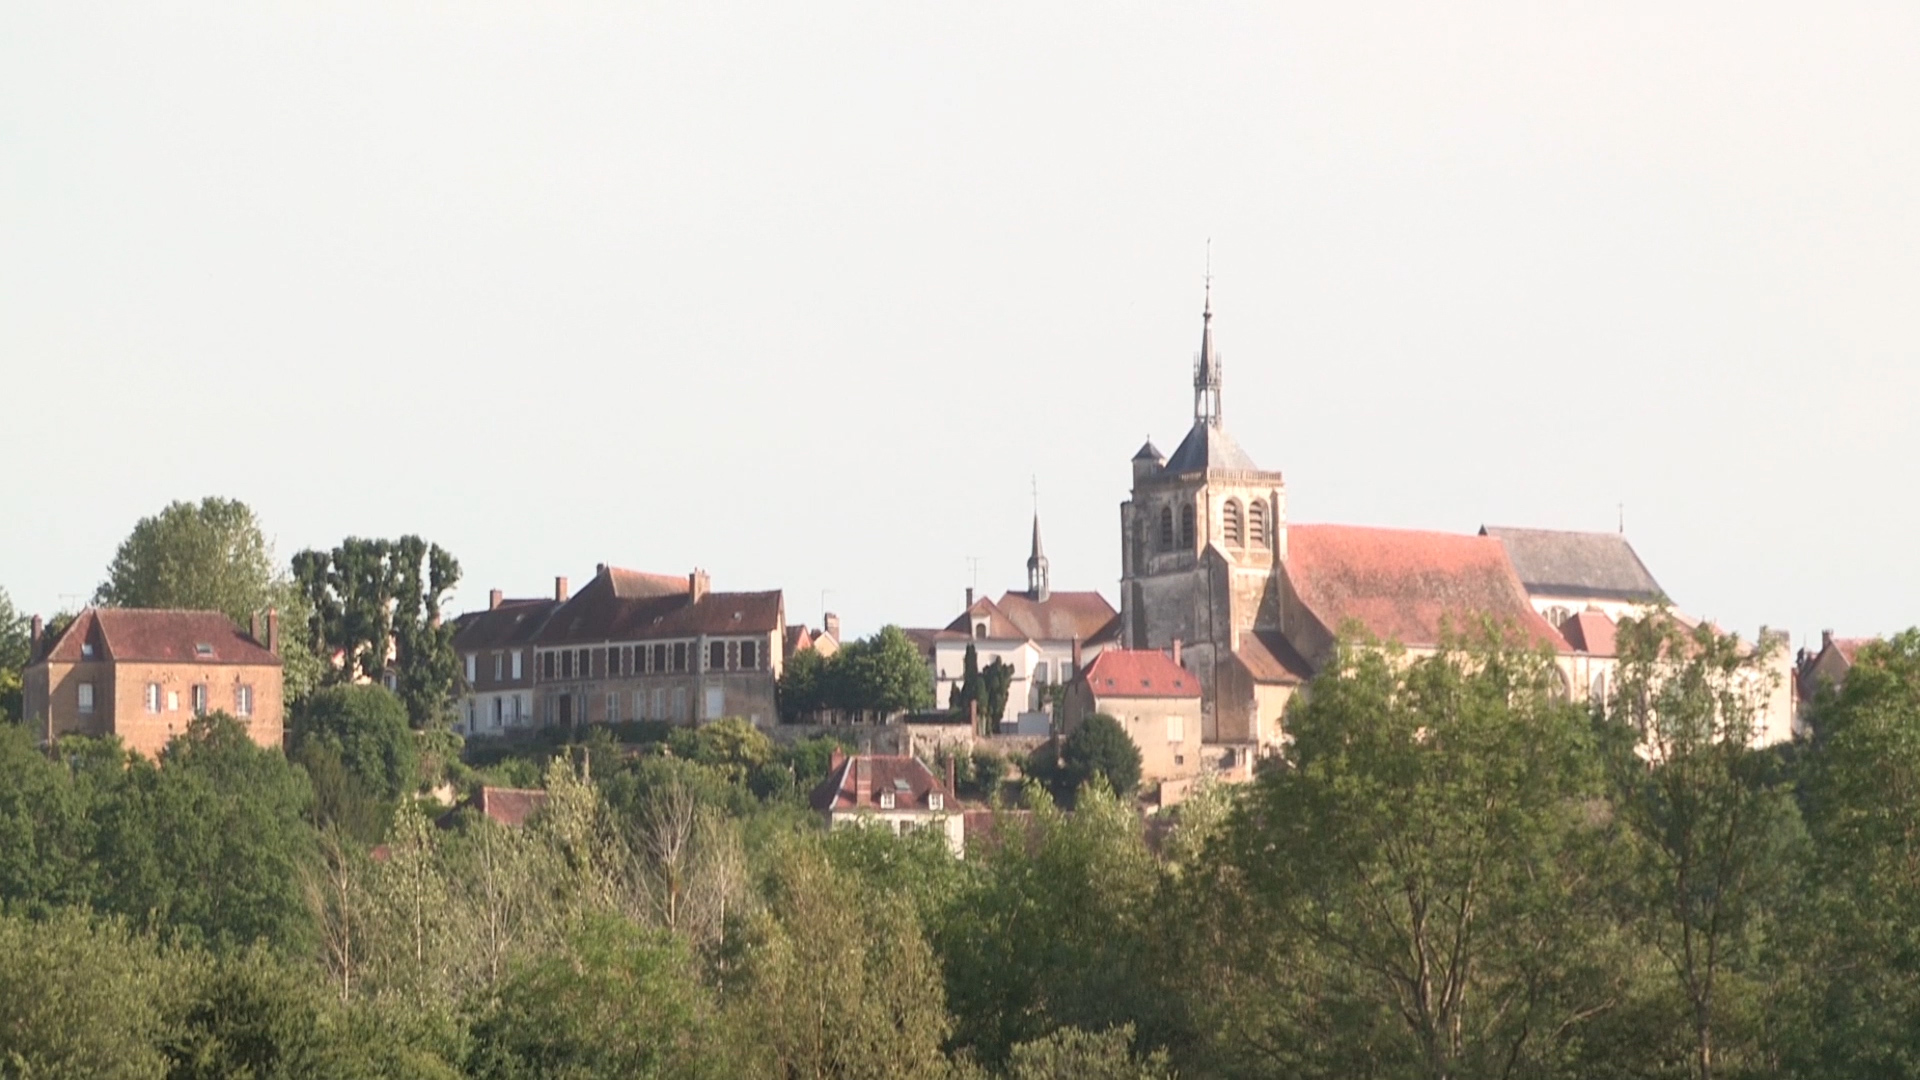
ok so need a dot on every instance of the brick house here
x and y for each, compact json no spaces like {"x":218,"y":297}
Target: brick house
{"x":143,"y":675}
{"x":637,"y":646}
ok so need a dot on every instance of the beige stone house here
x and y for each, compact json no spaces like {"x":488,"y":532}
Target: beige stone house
{"x":896,"y":793}
{"x":143,"y":675}
{"x":1155,"y":700}
{"x":638,"y":646}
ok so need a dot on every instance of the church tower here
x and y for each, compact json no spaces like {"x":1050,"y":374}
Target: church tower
{"x":1038,"y":587}
{"x":1201,"y":540}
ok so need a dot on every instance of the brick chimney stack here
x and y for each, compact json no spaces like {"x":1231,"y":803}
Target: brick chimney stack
{"x":1176,"y":650}
{"x":494,"y":598}
{"x":863,"y":781}
{"x":698,"y":584}
{"x":969,"y":598}
{"x":838,"y":759}
{"x":831,"y":624}
{"x":1826,"y":640}
{"x":273,"y":631}
{"x":560,"y":589}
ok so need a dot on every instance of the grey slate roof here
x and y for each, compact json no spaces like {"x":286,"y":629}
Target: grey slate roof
{"x":1208,"y":448}
{"x":1600,"y":565}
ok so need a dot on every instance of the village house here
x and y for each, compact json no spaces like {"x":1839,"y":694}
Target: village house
{"x":1155,"y":701}
{"x":496,"y":654}
{"x":639,"y":646}
{"x":897,"y":793}
{"x":143,"y":675}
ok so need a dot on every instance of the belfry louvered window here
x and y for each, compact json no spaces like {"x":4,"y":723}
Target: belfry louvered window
{"x":1166,"y":528}
{"x":1257,"y":523}
{"x":1230,"y":523}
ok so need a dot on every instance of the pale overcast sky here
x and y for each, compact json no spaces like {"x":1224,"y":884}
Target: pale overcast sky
{"x":804,"y":294}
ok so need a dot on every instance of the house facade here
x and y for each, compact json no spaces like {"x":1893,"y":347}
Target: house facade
{"x":144,"y":675}
{"x":638,"y":646}
{"x":496,"y":649}
{"x":896,"y":793}
{"x":1154,"y":699}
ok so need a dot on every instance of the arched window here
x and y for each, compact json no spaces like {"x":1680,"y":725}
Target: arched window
{"x":1230,"y":523}
{"x":1598,"y":694}
{"x":1558,"y":616}
{"x":1257,"y":523}
{"x":1166,"y":528}
{"x":1186,"y":525}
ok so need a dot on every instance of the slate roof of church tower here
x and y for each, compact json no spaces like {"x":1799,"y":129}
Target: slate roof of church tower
{"x":1553,"y":562}
{"x":1208,"y":448}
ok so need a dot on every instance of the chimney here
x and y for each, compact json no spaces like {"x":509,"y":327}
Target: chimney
{"x":862,"y":780}
{"x":838,"y":759}
{"x":494,"y":598}
{"x":831,"y":623}
{"x":951,"y":789}
{"x":560,"y":589}
{"x":33,"y":638}
{"x":253,"y":626}
{"x":1826,"y":640}
{"x":969,"y":598}
{"x":1176,"y":650}
{"x":697,"y":584}
{"x":273,"y":631}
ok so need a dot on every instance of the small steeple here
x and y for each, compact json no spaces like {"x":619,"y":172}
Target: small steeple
{"x":1206,"y":370}
{"x":1037,"y":585}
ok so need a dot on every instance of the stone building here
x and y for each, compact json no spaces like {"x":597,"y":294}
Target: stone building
{"x":638,"y":646}
{"x":496,"y":654}
{"x":143,"y":675}
{"x":1154,"y":699}
{"x":896,"y":793}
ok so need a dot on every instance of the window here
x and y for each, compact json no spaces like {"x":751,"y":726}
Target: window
{"x":613,"y":708}
{"x":679,"y":656}
{"x":1176,"y":729}
{"x":546,"y":663}
{"x":470,"y":721}
{"x":717,"y":656}
{"x":886,"y":800}
{"x":566,"y":664}
{"x":586,"y":663}
{"x":200,"y":699}
{"x":173,"y":701}
{"x":86,"y":650}
{"x":1166,"y":528}
{"x":499,"y":710}
{"x":980,"y":630}
{"x":1040,"y":671}
{"x":1599,"y":688}
{"x":519,"y":708}
{"x":750,"y":655}
{"x":516,"y":663}
{"x":1186,"y":525}
{"x":565,"y":706}
{"x":680,"y":702}
{"x":660,"y":705}
{"x":716,"y":703}
{"x":659,"y":658}
{"x":470,"y":666}
{"x":1257,"y":523}
{"x":153,"y":697}
{"x":243,"y":700}
{"x":639,"y":704}
{"x":499,"y":664}
{"x":613,"y":660}
{"x":86,"y":697}
{"x":1230,"y":523}
{"x":1558,"y":616}
{"x":936,"y":801}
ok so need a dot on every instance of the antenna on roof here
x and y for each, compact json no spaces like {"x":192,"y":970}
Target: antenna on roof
{"x":1623,"y":519}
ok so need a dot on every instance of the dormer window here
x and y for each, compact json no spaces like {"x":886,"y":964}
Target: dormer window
{"x":86,"y":650}
{"x":980,"y":630}
{"x":936,"y":801}
{"x":886,"y":800}
{"x":203,"y":650}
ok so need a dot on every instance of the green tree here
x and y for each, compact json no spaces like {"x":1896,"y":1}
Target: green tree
{"x":366,"y":727}
{"x":1714,"y":834}
{"x":45,"y":831}
{"x":996,"y":683}
{"x":377,"y":605}
{"x":969,"y":695}
{"x":14,"y":646}
{"x":802,"y":689}
{"x":1425,"y":861}
{"x":1073,"y":1054}
{"x":210,"y":556}
{"x":1099,"y":747}
{"x":883,"y":673}
{"x":80,"y":998}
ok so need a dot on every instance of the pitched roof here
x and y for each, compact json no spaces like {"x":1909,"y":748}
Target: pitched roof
{"x":1406,"y":585}
{"x":1208,"y":448}
{"x":1062,"y":616}
{"x":514,"y":622}
{"x":158,"y":636}
{"x":1590,"y":632}
{"x":1139,"y":673}
{"x":626,"y":605}
{"x":1148,"y":452}
{"x":509,"y":806}
{"x":1270,"y":658}
{"x":1553,"y":562}
{"x":907,"y":778}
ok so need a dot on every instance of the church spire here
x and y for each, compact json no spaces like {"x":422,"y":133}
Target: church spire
{"x":1206,"y":370}
{"x":1037,"y":584}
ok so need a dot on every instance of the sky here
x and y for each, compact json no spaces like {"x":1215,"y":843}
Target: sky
{"x":814,"y":296}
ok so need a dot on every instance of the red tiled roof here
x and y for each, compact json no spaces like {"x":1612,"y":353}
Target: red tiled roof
{"x":908,"y":778}
{"x":1063,"y":616}
{"x":1590,"y":632}
{"x":1139,"y":673}
{"x":1270,"y":658}
{"x":626,"y":605}
{"x":1849,"y":647}
{"x":509,"y":806}
{"x":1406,"y":585}
{"x":158,"y":636}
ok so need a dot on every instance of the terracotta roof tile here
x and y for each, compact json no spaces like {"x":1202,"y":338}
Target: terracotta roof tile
{"x":625,"y":605}
{"x":1406,"y":585}
{"x":907,"y":778}
{"x":159,"y":636}
{"x":1139,"y":673}
{"x":1063,"y":616}
{"x":509,"y":806}
{"x":1590,"y":632}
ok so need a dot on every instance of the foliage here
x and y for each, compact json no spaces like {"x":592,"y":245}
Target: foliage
{"x":970,"y":694}
{"x":1098,"y":748}
{"x":1073,"y":1054}
{"x":365,"y":728}
{"x":15,"y":630}
{"x":210,"y":556}
{"x":996,"y":683}
{"x":376,"y":605}
{"x":879,"y":674}
{"x":80,"y":999}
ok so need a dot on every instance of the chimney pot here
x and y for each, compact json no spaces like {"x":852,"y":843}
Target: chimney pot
{"x":697,"y":584}
{"x":862,"y":780}
{"x":494,"y":598}
{"x":1176,"y":650}
{"x":560,"y":589}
